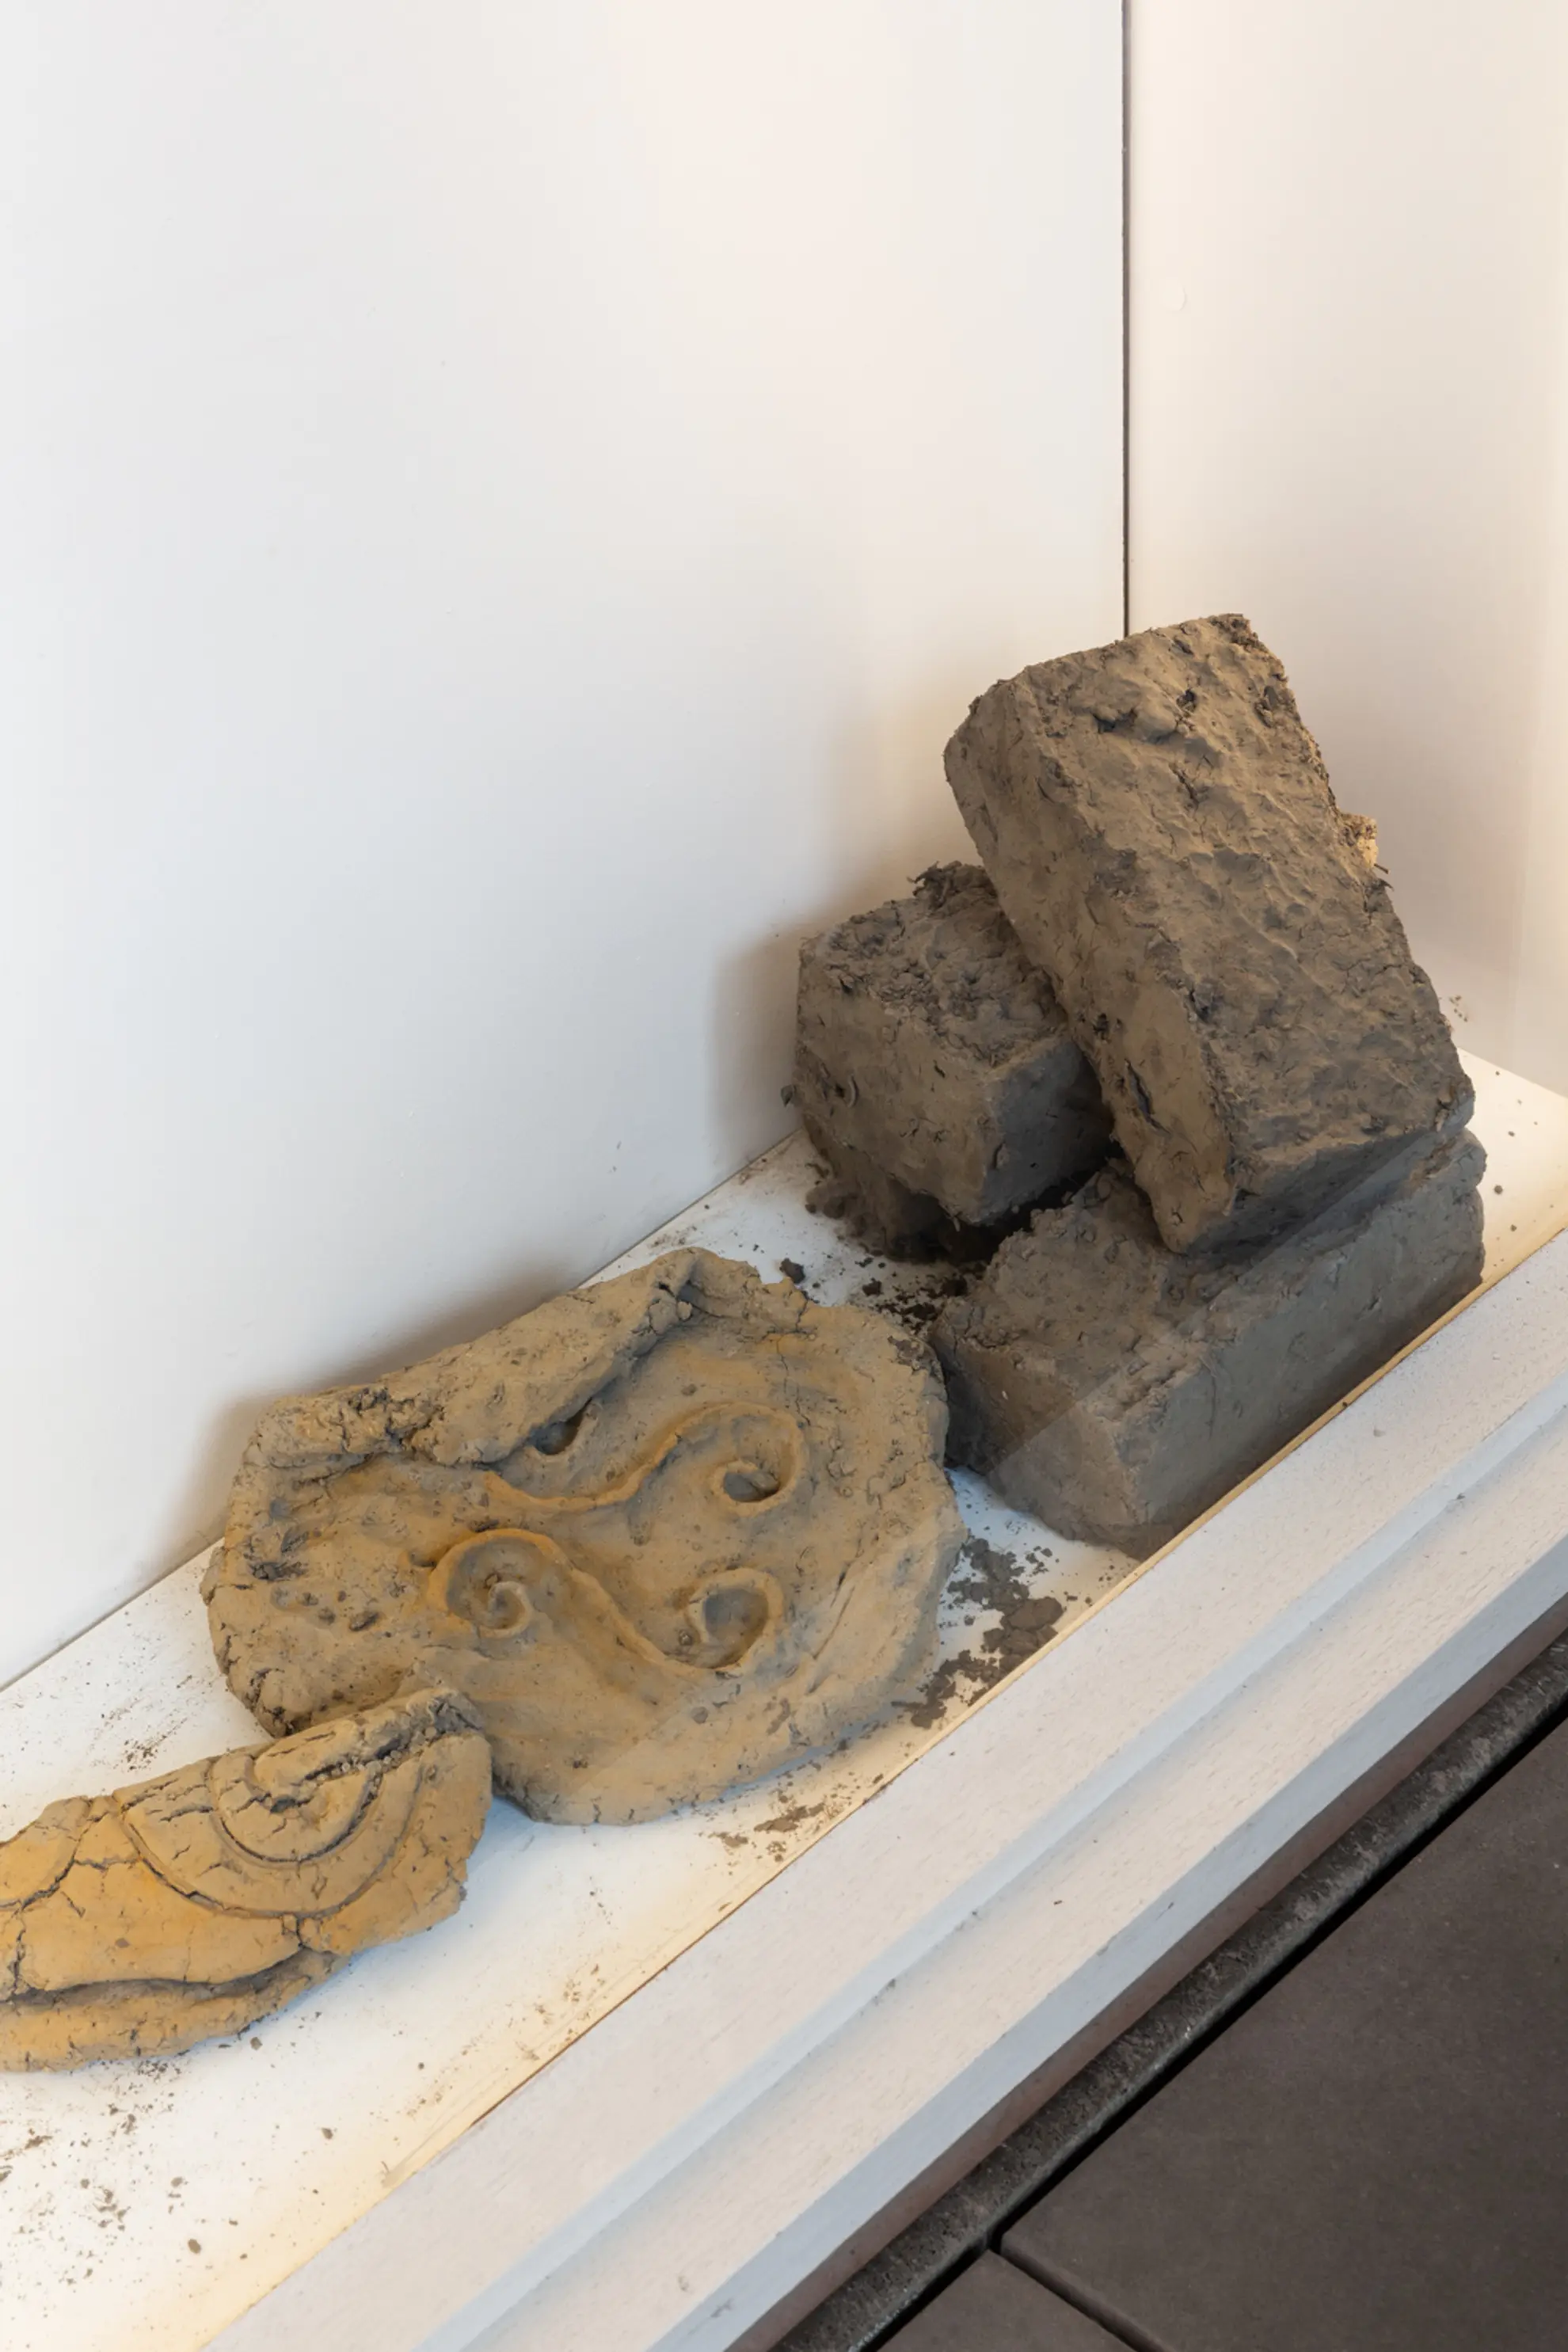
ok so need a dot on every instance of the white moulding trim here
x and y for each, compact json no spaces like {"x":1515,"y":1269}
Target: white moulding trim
{"x":1085,"y":1734}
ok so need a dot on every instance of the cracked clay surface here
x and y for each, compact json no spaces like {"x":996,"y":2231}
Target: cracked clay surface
{"x":136,"y":1924}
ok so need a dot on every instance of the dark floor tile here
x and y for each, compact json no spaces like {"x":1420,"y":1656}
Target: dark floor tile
{"x":857,"y":2315}
{"x":993,"y":2308}
{"x":1374,"y":2158}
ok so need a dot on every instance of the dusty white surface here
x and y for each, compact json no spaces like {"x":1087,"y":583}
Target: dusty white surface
{"x":1525,"y":1129}
{"x":259,"y":2150}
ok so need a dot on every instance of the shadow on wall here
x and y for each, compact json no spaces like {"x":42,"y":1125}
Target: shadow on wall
{"x":197,"y":1517}
{"x":1348,"y":422}
{"x":752,"y":1002}
{"x":753,"y":1043}
{"x":753,"y":1033}
{"x":885,"y":815}
{"x":890,"y":817}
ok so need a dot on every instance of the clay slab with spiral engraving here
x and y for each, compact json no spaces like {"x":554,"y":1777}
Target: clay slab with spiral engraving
{"x":134,"y":1924}
{"x":665,"y":1534}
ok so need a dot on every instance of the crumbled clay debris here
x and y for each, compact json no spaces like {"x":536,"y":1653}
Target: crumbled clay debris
{"x":992,"y":1582}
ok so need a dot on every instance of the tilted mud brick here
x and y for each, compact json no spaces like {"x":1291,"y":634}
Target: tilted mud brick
{"x":1161,"y":832}
{"x":1117,"y":1387}
{"x":933,"y":1066}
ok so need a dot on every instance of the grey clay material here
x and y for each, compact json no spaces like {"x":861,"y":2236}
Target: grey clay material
{"x":1117,"y":1387}
{"x":1159,"y":826}
{"x":934,"y":1070}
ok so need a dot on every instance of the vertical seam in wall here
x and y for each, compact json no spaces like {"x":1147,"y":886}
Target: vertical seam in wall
{"x":1126,"y":320}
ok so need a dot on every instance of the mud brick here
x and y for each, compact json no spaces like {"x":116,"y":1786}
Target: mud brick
{"x":1117,"y":1387}
{"x":1159,"y":826}
{"x":933,"y":1066}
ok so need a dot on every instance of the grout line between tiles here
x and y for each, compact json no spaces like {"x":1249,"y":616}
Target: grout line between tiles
{"x":910,"y":2272}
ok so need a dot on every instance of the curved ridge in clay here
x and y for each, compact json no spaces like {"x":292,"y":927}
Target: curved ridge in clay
{"x":136,"y":1924}
{"x":666,"y":1534}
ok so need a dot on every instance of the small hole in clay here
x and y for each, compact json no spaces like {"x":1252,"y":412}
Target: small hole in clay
{"x":747,"y":1482}
{"x":556,"y":1437}
{"x":734,"y":1615}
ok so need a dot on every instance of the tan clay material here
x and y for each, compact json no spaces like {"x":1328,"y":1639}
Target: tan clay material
{"x":1360,"y":836}
{"x":934,"y":1069}
{"x":1160,"y":829}
{"x":137,"y":1923}
{"x":666,"y":1534}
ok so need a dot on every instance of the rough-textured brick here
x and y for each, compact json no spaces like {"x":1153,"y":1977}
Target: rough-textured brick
{"x":1159,"y":826}
{"x":933,"y":1066}
{"x":1117,"y":1387}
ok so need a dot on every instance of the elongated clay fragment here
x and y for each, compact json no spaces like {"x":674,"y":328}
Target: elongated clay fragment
{"x":1160,"y":829}
{"x":136,"y":1924}
{"x":666,"y":1534}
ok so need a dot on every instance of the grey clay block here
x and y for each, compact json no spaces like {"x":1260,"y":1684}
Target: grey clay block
{"x":1161,"y":832}
{"x":933,"y":1066}
{"x":1117,"y":1387}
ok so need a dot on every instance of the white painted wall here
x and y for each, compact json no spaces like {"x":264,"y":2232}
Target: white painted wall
{"x":501,"y":503}
{"x":1349,"y":303}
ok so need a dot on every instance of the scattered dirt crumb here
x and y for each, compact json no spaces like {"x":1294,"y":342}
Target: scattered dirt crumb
{"x":988,"y":1580}
{"x":920,"y":1308}
{"x":791,"y":1818}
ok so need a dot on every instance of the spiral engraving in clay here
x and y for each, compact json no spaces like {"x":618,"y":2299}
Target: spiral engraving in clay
{"x":666,"y":1534}
{"x":137,"y":1923}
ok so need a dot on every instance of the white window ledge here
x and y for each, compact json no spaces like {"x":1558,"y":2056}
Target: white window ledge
{"x":775,"y":2096}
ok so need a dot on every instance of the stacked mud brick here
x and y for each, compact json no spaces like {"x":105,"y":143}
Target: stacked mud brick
{"x":1179,"y":985}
